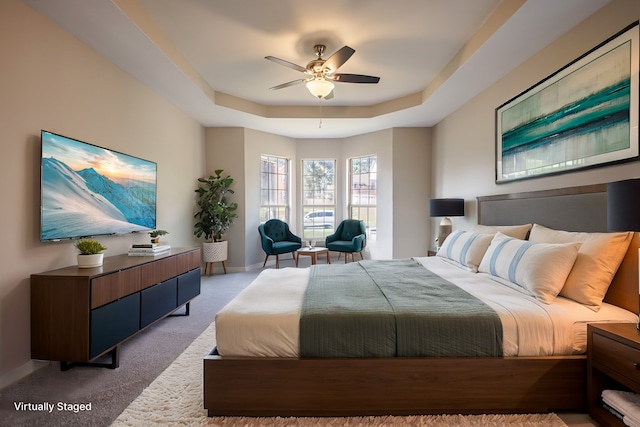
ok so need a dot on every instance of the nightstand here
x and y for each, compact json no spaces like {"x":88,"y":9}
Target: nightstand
{"x":431,"y":252}
{"x":613,"y":362}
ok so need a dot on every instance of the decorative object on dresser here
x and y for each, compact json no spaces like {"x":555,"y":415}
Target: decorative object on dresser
{"x":148,"y":249}
{"x":215,"y":216}
{"x":78,"y":316}
{"x":445,"y":208}
{"x":612,"y":359}
{"x":623,"y":207}
{"x":90,"y":255}
{"x":155,"y":235}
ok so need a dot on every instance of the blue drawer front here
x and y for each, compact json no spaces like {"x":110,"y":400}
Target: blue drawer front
{"x":113,"y":323}
{"x":158,"y":301}
{"x":188,"y":286}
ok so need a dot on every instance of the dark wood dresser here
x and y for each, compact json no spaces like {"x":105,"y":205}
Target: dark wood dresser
{"x":81,"y":314}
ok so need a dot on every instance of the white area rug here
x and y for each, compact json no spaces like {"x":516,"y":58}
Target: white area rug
{"x":175,"y":399}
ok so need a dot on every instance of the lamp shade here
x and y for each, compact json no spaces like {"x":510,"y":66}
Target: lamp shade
{"x":623,"y":205}
{"x":320,"y":87}
{"x":446,"y":207}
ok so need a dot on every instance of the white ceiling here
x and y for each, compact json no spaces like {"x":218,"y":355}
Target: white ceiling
{"x":207,"y":56}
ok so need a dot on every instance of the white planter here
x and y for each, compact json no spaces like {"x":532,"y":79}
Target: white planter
{"x":90,"y":261}
{"x":215,"y":251}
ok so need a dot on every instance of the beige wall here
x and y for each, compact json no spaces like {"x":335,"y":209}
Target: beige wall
{"x":225,"y":150}
{"x":411,"y":192}
{"x":52,"y":81}
{"x":463,"y":143}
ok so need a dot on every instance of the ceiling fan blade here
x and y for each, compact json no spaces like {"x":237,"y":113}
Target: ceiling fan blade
{"x":286,"y":63}
{"x":291,"y":83}
{"x":336,"y":60}
{"x":355,"y":78}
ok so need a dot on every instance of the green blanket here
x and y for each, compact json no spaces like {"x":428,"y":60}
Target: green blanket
{"x":393,"y":308}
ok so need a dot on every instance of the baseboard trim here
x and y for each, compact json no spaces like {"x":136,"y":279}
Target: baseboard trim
{"x":20,"y":372}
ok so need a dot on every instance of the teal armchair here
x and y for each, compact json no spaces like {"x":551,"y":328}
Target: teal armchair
{"x":277,"y":239}
{"x":349,"y":238}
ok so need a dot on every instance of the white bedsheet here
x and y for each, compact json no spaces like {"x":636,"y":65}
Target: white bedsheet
{"x":263,"y":320}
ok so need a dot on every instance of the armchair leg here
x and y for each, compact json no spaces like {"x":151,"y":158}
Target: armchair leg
{"x":265,"y":260}
{"x":295,"y":257}
{"x":277,"y":261}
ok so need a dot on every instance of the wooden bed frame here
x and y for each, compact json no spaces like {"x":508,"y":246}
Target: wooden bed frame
{"x":402,"y":386}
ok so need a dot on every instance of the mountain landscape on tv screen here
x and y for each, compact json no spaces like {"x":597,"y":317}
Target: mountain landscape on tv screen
{"x":86,"y":203}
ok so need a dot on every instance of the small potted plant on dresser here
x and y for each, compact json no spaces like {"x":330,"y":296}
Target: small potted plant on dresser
{"x":90,"y":253}
{"x":215,"y":215}
{"x":155,"y":235}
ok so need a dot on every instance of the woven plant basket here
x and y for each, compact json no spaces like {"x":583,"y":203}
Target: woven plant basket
{"x":215,"y":251}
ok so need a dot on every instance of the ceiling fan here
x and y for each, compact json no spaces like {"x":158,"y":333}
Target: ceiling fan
{"x":322,"y":72}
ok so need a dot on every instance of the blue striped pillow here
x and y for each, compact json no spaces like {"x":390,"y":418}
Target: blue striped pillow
{"x":539,"y":269}
{"x":465,"y":249}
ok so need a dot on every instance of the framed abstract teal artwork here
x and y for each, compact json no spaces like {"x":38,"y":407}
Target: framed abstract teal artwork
{"x":584,"y":115}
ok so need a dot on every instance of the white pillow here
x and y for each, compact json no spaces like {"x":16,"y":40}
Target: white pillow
{"x":597,"y":262}
{"x":465,"y":249}
{"x":540,"y":269}
{"x":517,"y":231}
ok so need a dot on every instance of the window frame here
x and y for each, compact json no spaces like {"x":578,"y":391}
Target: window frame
{"x":369,"y":225}
{"x":318,"y":232}
{"x":282,"y":210}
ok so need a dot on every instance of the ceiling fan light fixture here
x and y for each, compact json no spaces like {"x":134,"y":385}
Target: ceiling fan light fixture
{"x":320,"y":87}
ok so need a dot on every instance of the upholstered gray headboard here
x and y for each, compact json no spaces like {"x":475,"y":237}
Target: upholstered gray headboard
{"x":581,"y":208}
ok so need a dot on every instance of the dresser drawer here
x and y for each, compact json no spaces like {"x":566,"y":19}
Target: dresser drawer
{"x":616,"y":356}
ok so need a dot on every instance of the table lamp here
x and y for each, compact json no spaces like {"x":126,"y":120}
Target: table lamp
{"x":623,"y":208}
{"x":445,"y":208}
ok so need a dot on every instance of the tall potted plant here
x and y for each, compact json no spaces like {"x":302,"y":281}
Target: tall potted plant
{"x":215,"y":215}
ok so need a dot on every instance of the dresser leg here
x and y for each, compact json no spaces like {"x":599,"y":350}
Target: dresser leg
{"x":115,"y":361}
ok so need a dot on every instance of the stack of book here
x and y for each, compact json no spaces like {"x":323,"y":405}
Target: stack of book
{"x":624,"y":405}
{"x":148,"y":249}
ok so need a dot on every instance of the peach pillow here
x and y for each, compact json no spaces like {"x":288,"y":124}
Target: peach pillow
{"x":516,"y":231}
{"x":597,"y":262}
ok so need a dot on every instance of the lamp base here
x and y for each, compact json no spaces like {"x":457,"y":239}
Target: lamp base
{"x":444,"y":230}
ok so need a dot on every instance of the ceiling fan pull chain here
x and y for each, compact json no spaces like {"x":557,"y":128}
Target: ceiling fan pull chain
{"x":320,"y":122}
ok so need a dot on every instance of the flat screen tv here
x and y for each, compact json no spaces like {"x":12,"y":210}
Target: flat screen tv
{"x":88,"y":190}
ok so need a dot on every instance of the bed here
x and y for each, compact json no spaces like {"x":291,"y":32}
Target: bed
{"x":271,"y":378}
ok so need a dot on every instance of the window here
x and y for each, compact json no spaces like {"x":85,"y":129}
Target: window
{"x":318,"y":201}
{"x":363,"y":191}
{"x":274,"y":188}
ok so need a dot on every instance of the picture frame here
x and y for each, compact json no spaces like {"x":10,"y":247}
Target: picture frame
{"x":584,"y":115}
